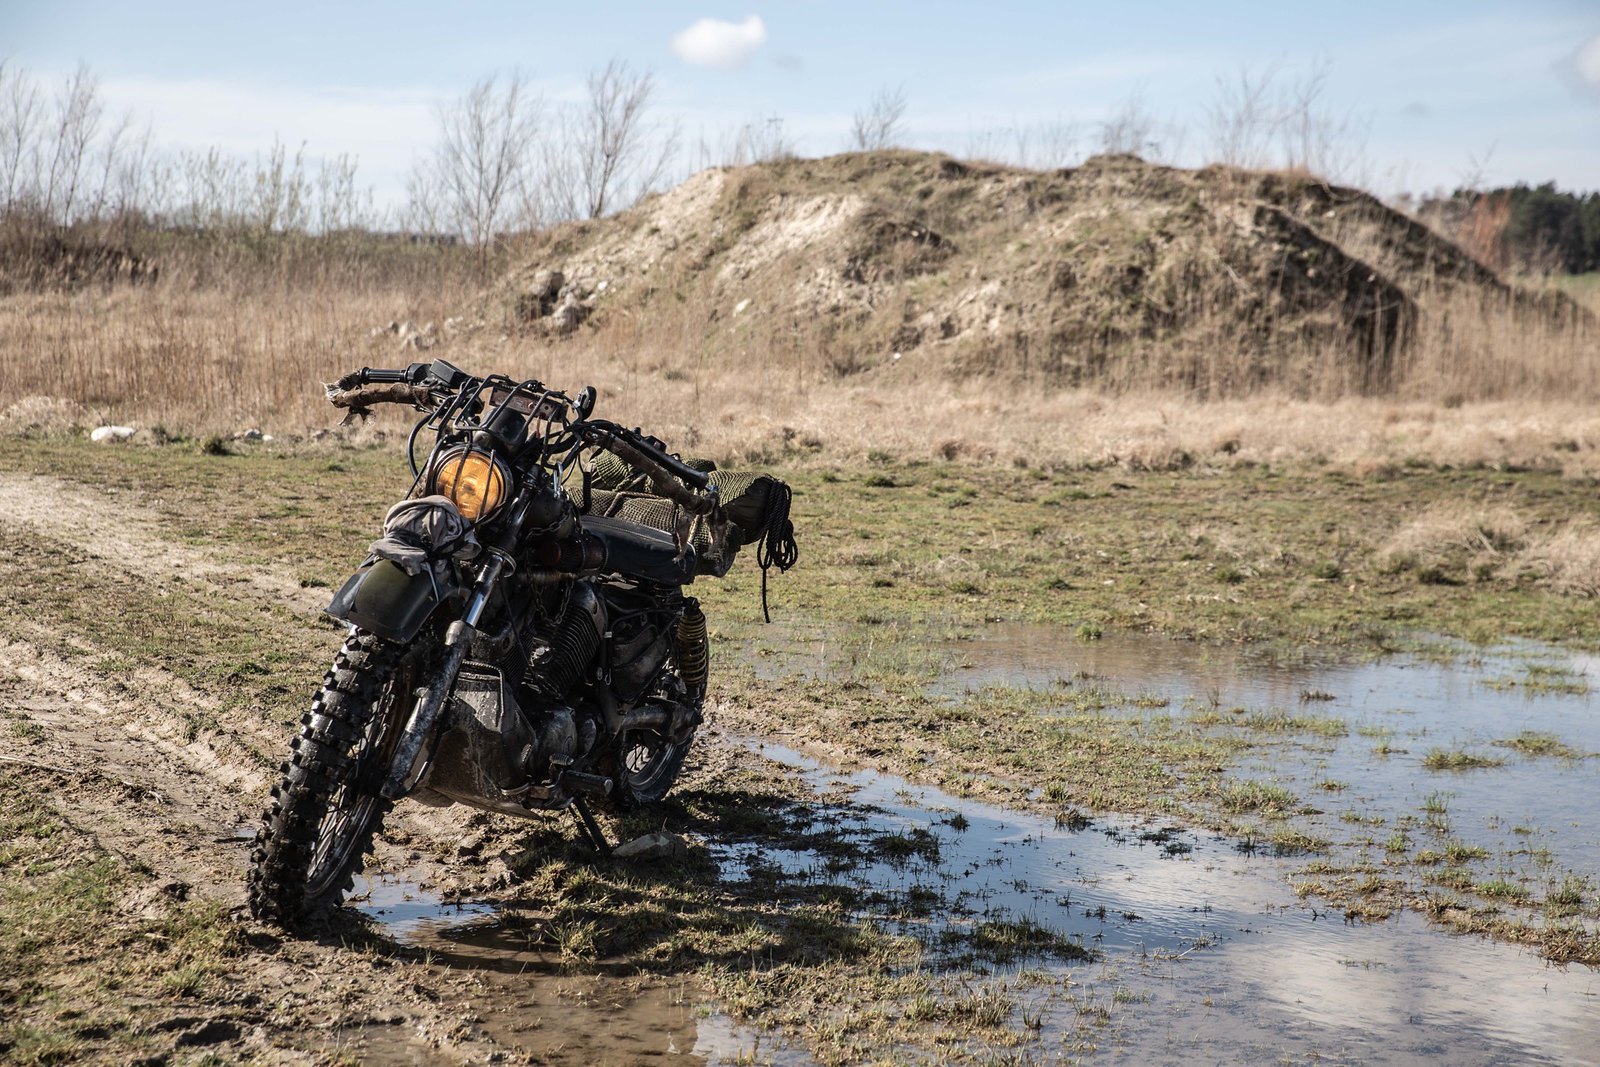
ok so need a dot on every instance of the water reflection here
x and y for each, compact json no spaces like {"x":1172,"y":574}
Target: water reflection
{"x":560,"y":1017}
{"x":1534,"y":813}
{"x":1216,"y":955}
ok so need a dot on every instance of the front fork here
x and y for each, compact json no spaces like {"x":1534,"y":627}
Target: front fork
{"x":406,"y":768}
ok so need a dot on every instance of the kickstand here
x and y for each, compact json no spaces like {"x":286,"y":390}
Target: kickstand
{"x":591,"y":829}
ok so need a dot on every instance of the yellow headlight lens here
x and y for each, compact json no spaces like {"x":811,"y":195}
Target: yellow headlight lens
{"x":472,"y":480}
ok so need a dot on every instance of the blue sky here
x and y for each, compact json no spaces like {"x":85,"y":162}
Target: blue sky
{"x":1434,"y":86}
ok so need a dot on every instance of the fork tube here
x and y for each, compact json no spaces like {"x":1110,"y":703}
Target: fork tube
{"x":402,"y":776}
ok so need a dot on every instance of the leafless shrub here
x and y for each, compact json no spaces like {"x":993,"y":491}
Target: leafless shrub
{"x":761,"y":140}
{"x":340,"y":204}
{"x":1047,"y":145}
{"x":879,"y":126}
{"x":1243,"y":118}
{"x":1259,"y":119}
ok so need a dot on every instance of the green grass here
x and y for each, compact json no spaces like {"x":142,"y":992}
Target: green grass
{"x":1129,"y":561}
{"x":1265,"y":798}
{"x":1539,"y":743}
{"x":69,"y":954}
{"x":1457,"y":759}
{"x":891,"y":570}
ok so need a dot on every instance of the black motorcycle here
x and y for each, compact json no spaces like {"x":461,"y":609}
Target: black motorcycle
{"x":519,"y":638}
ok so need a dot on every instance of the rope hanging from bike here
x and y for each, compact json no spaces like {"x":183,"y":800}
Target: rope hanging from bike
{"x":777,"y":547}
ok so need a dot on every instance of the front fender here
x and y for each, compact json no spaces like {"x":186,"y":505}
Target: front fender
{"x":383,"y":599}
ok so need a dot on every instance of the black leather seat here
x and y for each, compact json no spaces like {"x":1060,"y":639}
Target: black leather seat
{"x":641,"y":552}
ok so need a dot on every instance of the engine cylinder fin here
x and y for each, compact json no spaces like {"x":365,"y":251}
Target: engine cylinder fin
{"x":572,"y":648}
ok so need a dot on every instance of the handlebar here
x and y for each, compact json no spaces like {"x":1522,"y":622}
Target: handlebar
{"x":670,"y":477}
{"x":609,"y":434}
{"x":424,"y":385}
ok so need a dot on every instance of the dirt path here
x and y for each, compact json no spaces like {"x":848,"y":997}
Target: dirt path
{"x":176,"y":815}
{"x":117,"y":532}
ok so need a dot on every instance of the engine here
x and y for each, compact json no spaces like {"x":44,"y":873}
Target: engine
{"x":492,"y":751}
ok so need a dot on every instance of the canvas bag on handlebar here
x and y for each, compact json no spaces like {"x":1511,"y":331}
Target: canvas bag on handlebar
{"x":756,"y":504}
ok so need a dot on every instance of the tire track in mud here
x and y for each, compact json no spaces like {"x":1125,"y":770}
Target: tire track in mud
{"x":126,"y":536}
{"x":115,"y":749}
{"x":120,"y":772}
{"x":174,"y":808}
{"x":118,"y":537}
{"x":164,"y":774}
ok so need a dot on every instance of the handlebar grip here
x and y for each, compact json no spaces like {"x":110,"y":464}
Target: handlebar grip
{"x":676,"y":467}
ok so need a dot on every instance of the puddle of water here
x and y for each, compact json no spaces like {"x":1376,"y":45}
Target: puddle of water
{"x":1535,"y":814}
{"x":558,"y":1017}
{"x":1203,"y":948}
{"x":403,"y":908}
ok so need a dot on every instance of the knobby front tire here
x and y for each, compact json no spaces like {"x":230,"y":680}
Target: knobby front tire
{"x":316,"y":833}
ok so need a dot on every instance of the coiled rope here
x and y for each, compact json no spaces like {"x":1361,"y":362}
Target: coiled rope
{"x":777,"y":547}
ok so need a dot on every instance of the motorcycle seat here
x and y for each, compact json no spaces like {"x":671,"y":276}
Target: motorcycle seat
{"x":641,"y":552}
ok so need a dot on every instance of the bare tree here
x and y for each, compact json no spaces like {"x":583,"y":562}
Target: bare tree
{"x":278,"y":192}
{"x":879,"y":126}
{"x":216,"y":192}
{"x":105,"y":164}
{"x":73,"y":128}
{"x":608,"y":154}
{"x":136,"y":187}
{"x":482,"y":162}
{"x":20,"y":113}
{"x":340,"y":204}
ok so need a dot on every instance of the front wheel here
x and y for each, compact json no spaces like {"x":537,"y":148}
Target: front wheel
{"x":319,"y":827}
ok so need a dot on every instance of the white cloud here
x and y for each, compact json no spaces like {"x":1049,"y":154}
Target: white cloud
{"x":1587,"y":62}
{"x":723,"y":45}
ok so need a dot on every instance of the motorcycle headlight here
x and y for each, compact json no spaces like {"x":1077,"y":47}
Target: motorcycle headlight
{"x":473,"y":481}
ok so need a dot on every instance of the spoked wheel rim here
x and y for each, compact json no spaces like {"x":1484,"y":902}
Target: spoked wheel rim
{"x":342,"y":830}
{"x":646,"y":759}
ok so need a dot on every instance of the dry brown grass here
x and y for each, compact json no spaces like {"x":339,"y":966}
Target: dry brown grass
{"x":1459,"y":542}
{"x":1568,"y":560}
{"x":200,"y":360}
{"x":236,"y":336}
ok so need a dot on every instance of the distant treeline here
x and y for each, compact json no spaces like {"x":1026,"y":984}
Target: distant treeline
{"x":1528,"y":228}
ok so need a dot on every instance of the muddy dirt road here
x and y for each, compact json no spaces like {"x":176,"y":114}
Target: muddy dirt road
{"x":159,"y":652}
{"x":147,"y":790}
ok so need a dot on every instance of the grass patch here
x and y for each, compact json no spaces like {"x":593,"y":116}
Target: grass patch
{"x":1457,"y":759}
{"x":1239,"y":796}
{"x":1539,"y":743}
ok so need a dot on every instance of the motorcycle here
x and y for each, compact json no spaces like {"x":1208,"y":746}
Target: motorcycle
{"x":510,"y":647}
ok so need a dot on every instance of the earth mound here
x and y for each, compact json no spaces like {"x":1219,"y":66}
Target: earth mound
{"x":1117,"y":272}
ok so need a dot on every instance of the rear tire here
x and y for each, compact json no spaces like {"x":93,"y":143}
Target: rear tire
{"x":319,"y":827}
{"x":647,"y":767}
